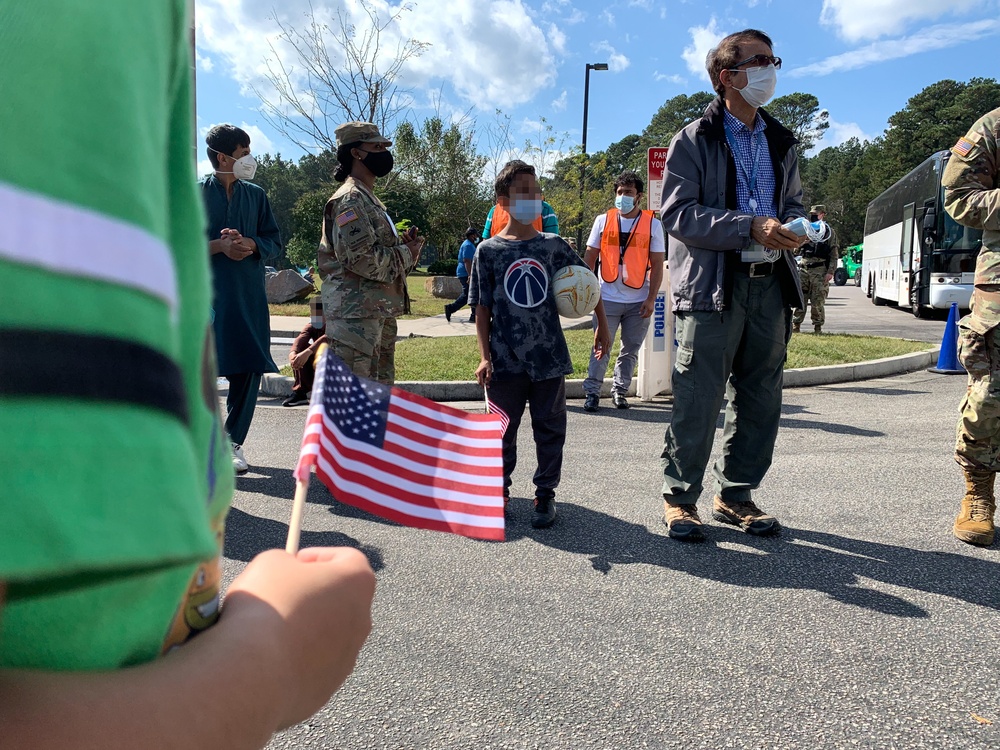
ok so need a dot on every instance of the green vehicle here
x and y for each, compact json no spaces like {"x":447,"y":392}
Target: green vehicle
{"x":850,"y":266}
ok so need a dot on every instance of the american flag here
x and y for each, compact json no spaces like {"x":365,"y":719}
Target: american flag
{"x":403,"y":457}
{"x":492,"y":408}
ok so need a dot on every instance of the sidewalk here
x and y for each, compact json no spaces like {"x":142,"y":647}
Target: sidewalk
{"x":283,"y":326}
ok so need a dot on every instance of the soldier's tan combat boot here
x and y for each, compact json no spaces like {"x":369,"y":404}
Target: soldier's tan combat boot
{"x":974,"y":523}
{"x":796,"y":328}
{"x":817,"y":329}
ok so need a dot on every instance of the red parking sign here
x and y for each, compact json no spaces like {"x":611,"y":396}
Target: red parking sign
{"x":656,"y":162}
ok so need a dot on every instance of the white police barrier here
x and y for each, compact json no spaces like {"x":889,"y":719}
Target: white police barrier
{"x":656,"y":356}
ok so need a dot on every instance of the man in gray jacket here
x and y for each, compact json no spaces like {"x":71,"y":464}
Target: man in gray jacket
{"x":732,"y":181}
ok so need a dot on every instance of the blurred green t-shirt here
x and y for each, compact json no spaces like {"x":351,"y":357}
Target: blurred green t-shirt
{"x":114,"y":473}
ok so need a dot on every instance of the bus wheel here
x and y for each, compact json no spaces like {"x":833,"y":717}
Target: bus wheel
{"x":877,"y":301}
{"x":857,"y":278}
{"x":915,"y":307}
{"x":840,"y":277}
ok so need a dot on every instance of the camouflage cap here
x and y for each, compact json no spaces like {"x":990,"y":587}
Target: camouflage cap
{"x":819,"y":208}
{"x":359,"y":132}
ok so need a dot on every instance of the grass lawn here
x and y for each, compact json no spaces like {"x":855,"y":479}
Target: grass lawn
{"x":422,"y":304}
{"x":456,"y":357}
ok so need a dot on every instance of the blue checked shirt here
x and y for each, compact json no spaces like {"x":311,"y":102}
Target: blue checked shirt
{"x":745,"y":145}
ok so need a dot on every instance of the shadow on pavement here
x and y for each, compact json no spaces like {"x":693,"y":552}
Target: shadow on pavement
{"x":796,"y":559}
{"x":871,"y":391}
{"x":247,"y":536}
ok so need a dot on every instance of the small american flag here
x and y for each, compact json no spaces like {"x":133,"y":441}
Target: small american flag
{"x":492,"y":408}
{"x":402,"y":457}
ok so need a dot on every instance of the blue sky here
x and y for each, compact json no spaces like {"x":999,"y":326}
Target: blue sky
{"x":862,"y":58}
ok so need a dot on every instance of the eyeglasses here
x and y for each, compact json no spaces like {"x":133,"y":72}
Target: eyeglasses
{"x":761,"y":61}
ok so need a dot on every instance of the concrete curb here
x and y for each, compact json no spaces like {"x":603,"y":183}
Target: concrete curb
{"x":453,"y":390}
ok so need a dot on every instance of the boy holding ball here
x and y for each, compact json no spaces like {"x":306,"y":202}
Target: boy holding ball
{"x":524,"y":357}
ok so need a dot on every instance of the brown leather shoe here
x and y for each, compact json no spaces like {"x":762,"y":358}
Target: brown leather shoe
{"x":974,"y":524}
{"x":746,"y":515}
{"x":682,"y":522}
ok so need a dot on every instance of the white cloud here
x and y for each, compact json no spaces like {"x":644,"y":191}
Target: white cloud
{"x":491,"y":52}
{"x":858,"y":20}
{"x":560,"y":104}
{"x":558,"y":39}
{"x":658,"y":76}
{"x":617,"y":62}
{"x":646,"y":4}
{"x":607,"y":17}
{"x":840,"y":132}
{"x":703,"y":39}
{"x":931,"y":38}
{"x":204,"y":62}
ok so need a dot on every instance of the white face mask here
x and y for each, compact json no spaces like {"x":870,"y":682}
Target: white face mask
{"x":624,"y":203}
{"x":525,"y":210}
{"x":761,"y":83}
{"x":244,"y":168}
{"x":319,"y":322}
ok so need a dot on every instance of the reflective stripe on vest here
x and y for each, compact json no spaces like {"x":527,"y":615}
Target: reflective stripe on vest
{"x":636,"y":263}
{"x":501,"y":218}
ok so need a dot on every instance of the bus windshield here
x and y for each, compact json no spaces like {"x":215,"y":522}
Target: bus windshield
{"x":954,"y":237}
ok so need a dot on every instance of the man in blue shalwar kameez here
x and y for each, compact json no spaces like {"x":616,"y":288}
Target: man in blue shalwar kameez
{"x":242,"y":238}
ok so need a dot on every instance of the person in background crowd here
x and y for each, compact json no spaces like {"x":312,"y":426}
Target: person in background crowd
{"x":626,"y":250}
{"x":465,"y":255}
{"x":242,"y":238}
{"x":302,"y":357}
{"x":819,"y":261}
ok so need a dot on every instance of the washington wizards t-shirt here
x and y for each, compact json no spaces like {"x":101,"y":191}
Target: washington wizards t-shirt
{"x":513,"y":278}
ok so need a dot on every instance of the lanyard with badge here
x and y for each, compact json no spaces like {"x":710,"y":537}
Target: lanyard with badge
{"x":625,"y":239}
{"x":756,"y":253}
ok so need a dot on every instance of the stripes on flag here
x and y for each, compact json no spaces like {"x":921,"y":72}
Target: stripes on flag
{"x":403,"y":457}
{"x":492,"y":408}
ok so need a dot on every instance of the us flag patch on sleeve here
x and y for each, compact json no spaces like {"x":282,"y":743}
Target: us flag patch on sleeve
{"x":963,"y":147}
{"x":346,"y":218}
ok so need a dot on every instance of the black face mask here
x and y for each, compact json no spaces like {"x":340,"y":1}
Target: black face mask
{"x":378,"y":162}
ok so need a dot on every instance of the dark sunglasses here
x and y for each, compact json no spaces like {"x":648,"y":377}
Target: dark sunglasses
{"x":761,"y":61}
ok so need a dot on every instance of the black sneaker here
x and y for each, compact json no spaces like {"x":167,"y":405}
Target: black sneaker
{"x":545,"y":512}
{"x":619,"y":400}
{"x":296,"y":399}
{"x":592,"y":403}
{"x":447,"y":313}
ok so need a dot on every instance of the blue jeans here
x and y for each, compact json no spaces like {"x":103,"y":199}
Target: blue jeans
{"x":634,"y":327}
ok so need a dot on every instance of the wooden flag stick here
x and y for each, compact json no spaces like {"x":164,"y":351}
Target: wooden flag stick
{"x":486,"y":398}
{"x":295,"y":523}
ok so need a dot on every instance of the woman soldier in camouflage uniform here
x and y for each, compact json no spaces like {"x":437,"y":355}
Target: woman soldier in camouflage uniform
{"x":363,"y":260}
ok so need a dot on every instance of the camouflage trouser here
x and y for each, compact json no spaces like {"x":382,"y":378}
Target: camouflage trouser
{"x":367,"y":346}
{"x":978,"y":441}
{"x":815,"y":288}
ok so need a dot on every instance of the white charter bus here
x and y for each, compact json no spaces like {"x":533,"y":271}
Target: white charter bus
{"x":915,"y":254}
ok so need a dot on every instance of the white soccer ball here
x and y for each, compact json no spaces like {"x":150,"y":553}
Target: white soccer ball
{"x":577,"y":291}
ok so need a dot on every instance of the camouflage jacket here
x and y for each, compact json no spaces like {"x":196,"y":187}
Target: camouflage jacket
{"x":362,"y":260}
{"x":972,"y":198}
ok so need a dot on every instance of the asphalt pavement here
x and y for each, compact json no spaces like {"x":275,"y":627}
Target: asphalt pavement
{"x":864,"y":624}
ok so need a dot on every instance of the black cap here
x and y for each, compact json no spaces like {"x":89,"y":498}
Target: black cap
{"x":471,"y":230}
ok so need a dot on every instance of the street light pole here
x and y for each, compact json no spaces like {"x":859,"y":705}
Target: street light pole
{"x":583,"y":161}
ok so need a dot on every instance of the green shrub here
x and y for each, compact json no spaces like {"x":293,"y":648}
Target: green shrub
{"x":442,"y":268}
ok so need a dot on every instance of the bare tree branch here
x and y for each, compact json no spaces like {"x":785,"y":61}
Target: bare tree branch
{"x":333,"y":72}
